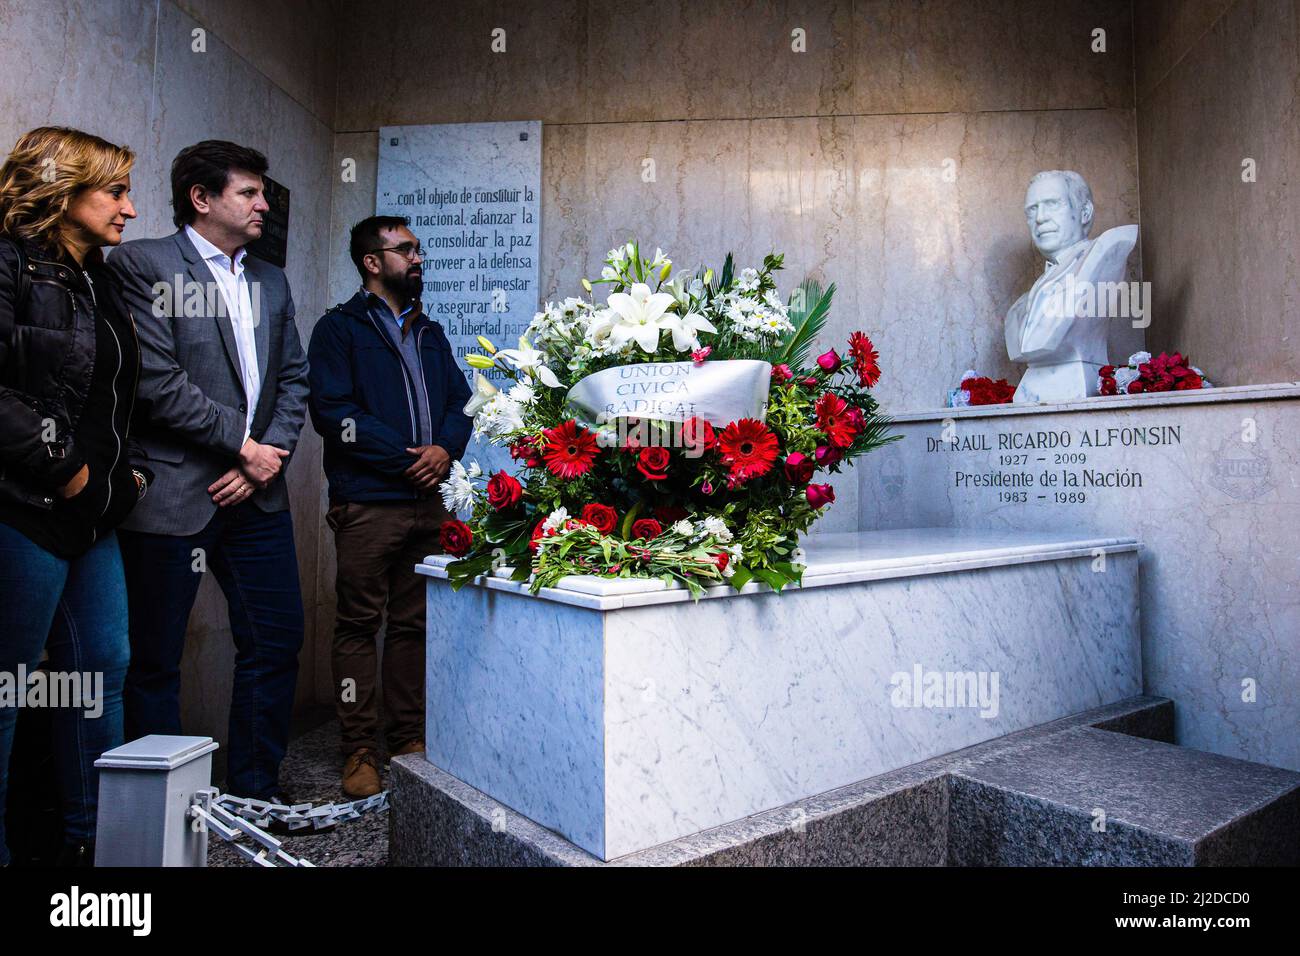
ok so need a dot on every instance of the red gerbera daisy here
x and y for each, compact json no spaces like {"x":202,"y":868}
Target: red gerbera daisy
{"x":748,"y":448}
{"x":569,"y":450}
{"x":866,"y":360}
{"x":834,"y":418}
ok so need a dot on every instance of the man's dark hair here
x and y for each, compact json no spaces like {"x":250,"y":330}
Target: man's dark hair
{"x":365,"y":237}
{"x":208,"y":164}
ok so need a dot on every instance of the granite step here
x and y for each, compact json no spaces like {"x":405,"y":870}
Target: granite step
{"x":1029,"y":798}
{"x":1091,"y":797}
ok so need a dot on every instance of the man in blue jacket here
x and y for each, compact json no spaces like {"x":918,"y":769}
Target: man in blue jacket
{"x":387,"y":398}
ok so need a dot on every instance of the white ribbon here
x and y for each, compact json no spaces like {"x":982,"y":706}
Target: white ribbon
{"x":719,"y":392}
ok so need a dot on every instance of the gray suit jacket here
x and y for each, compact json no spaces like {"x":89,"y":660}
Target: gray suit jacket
{"x":194,"y":408}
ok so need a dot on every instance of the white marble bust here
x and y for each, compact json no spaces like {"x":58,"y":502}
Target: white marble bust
{"x":1059,"y":326}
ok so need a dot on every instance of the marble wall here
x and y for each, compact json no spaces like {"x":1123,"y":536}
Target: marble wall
{"x":128,"y":70}
{"x":890,"y":157}
{"x":1218,"y":84}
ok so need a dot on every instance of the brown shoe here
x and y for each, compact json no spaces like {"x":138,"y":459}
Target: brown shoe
{"x":361,"y":774}
{"x":411,"y":747}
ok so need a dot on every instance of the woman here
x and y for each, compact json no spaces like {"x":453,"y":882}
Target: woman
{"x":69,"y":364}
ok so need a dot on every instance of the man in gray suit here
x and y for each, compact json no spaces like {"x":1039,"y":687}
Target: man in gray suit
{"x":224,"y":385}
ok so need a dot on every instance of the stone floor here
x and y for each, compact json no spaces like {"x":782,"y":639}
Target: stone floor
{"x":310,"y":773}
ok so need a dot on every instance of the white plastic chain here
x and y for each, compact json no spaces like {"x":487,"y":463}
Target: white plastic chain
{"x":230,"y":817}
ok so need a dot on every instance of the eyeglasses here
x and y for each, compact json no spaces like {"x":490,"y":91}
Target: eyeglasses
{"x":407,"y":250}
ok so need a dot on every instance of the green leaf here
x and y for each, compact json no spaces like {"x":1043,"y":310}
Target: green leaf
{"x":741,"y":577}
{"x":807,"y":326}
{"x":771,"y":578}
{"x":629,"y":518}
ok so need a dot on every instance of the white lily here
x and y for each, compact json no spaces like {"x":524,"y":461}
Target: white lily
{"x":530,"y":361}
{"x":686,"y":329}
{"x":483,"y":393}
{"x":640,"y":315}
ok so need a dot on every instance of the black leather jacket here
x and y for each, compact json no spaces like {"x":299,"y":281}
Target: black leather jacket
{"x":51,"y":313}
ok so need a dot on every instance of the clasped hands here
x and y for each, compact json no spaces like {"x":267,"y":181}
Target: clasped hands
{"x":431,"y":465}
{"x":258,"y":465}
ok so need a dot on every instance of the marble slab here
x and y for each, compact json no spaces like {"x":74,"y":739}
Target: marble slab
{"x":1207,"y":480}
{"x":625,"y":727}
{"x":834,"y":558}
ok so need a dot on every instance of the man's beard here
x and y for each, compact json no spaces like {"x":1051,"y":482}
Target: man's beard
{"x":405,"y":286}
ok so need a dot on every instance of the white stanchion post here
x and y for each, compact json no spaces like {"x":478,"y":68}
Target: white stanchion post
{"x":145,"y":791}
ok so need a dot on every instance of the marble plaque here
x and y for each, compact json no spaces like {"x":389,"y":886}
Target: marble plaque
{"x":471,"y":191}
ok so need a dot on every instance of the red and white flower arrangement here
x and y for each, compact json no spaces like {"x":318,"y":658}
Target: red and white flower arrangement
{"x":722,"y":500}
{"x":1163,"y":373}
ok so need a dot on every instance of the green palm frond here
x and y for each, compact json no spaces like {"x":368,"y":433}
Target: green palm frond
{"x":808,"y":322}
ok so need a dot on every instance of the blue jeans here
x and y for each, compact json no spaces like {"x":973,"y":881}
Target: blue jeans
{"x":252,"y":554}
{"x":77,"y":611}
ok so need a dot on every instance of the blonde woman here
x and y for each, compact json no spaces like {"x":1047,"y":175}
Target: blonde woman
{"x":69,"y":365}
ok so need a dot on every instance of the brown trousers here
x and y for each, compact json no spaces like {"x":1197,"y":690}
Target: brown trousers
{"x":378,"y":545}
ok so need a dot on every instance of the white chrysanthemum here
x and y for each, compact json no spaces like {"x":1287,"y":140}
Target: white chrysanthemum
{"x":457,"y":492}
{"x":1137,"y":358}
{"x":683,"y":527}
{"x":475,"y":470}
{"x":499,"y":417}
{"x":555,"y":520}
{"x":716,"y":527}
{"x":748,"y":280}
{"x":523,"y":393}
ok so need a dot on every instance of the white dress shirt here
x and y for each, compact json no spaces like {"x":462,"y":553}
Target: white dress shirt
{"x":239,"y":308}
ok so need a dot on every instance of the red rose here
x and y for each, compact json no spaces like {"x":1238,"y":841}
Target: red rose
{"x":1106,"y":371}
{"x":827,"y":455}
{"x":653,"y":462}
{"x":819,"y":495}
{"x":809,"y":382}
{"x":601,"y":517}
{"x":985,"y":391}
{"x":799,"y":468}
{"x":503,"y":491}
{"x":721,"y":559}
{"x":698,"y":436}
{"x":668,"y":514}
{"x":646,"y":528}
{"x":1135,"y":386}
{"x":1108,"y":386}
{"x":455,"y":537}
{"x":1189,"y":382}
{"x":829,"y":362}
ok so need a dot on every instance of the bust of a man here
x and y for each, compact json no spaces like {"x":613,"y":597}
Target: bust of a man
{"x":1060,"y":325}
